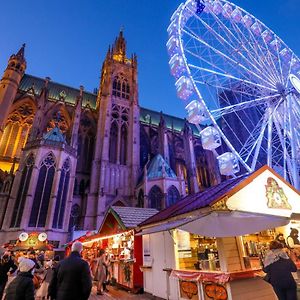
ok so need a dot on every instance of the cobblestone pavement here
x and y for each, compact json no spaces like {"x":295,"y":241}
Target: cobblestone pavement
{"x":115,"y":293}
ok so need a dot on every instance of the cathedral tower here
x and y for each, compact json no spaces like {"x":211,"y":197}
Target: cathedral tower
{"x":116,"y":159}
{"x":10,"y":82}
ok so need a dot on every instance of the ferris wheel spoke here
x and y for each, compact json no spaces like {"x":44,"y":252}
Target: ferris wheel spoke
{"x":204,"y":60}
{"x":279,"y":64}
{"x":272,"y":62}
{"x":248,"y":145}
{"x":233,"y":50}
{"x":240,"y":40}
{"x":290,"y":70}
{"x":221,"y":87}
{"x":232,"y":61}
{"x":283,"y":145}
{"x":229,"y":76}
{"x":256,"y":146}
{"x":251,"y":142}
{"x":258,"y":57}
{"x":241,"y":106}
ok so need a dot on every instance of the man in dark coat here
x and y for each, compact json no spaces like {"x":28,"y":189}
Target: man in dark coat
{"x":21,"y":288}
{"x":7,"y":266}
{"x":71,"y":278}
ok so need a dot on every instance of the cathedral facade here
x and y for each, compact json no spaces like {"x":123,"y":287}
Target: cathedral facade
{"x":66,"y":155}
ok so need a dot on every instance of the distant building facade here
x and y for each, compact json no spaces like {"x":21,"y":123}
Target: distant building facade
{"x":66,"y":155}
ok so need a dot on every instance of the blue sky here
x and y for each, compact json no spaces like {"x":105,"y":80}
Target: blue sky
{"x":67,"y":40}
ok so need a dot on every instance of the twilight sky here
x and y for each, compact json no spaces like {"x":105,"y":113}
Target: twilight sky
{"x":67,"y":40}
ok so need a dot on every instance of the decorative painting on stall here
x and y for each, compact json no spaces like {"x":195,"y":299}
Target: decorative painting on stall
{"x":275,"y":195}
{"x":188,"y":290}
{"x":215,"y":291}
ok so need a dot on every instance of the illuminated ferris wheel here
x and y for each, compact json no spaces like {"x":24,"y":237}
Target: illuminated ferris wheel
{"x":240,"y":81}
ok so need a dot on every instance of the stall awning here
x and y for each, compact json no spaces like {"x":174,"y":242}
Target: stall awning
{"x":165,"y":226}
{"x":221,"y":224}
{"x":232,"y":223}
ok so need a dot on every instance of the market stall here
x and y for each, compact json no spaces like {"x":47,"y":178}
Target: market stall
{"x":215,"y":239}
{"x":33,"y":241}
{"x":117,"y":236}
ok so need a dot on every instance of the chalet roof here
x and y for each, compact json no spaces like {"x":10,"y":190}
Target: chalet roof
{"x":132,"y":216}
{"x":147,"y":116}
{"x":196,"y":201}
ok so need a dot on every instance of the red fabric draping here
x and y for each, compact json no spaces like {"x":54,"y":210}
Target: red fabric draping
{"x":217,"y":277}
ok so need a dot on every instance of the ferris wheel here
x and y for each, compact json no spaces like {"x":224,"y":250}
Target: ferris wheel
{"x":241,"y":82}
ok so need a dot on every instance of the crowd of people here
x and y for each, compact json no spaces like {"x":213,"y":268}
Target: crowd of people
{"x":30,"y":276}
{"x":71,"y":278}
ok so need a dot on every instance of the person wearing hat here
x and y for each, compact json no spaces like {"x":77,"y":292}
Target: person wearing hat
{"x":7,"y":267}
{"x":71,"y":278}
{"x":21,"y":288}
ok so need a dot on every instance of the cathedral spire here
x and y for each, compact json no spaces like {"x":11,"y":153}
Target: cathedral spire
{"x":20,"y":53}
{"x":119,"y":47}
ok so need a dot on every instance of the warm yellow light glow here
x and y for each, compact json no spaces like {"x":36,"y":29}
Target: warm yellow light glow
{"x":117,"y":235}
{"x":6,"y":166}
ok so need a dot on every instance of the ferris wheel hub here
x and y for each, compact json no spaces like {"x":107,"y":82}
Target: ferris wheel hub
{"x":280,"y":88}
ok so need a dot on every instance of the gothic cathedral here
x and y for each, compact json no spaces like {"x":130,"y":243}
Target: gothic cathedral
{"x":66,"y":155}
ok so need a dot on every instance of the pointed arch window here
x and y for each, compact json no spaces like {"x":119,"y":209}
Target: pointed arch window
{"x":62,"y":194}
{"x":141,"y":199}
{"x":22,"y":192}
{"x":156,"y":197}
{"x":42,"y":194}
{"x":16,"y":131}
{"x":121,"y":88}
{"x":123,"y":149}
{"x":173,"y":196}
{"x":113,"y":143}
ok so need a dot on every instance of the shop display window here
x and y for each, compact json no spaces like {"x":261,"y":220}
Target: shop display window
{"x":255,"y":247}
{"x":196,"y":252}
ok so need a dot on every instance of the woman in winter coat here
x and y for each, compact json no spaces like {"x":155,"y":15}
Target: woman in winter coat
{"x":100,"y":275}
{"x":21,"y":288}
{"x":279,"y":268}
{"x":42,"y":292}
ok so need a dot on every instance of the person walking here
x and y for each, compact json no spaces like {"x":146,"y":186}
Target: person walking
{"x":7,"y":267}
{"x":100,"y":275}
{"x":71,"y":277}
{"x":42,"y":292}
{"x":22,"y":288}
{"x":279,"y":268}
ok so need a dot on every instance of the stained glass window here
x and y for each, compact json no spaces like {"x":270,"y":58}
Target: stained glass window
{"x":123,"y":149}
{"x":42,"y":194}
{"x":155,"y":197}
{"x":22,"y":192}
{"x":121,"y":88}
{"x":62,"y":195}
{"x":16,"y":131}
{"x":113,"y":143}
{"x":172,"y":196}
